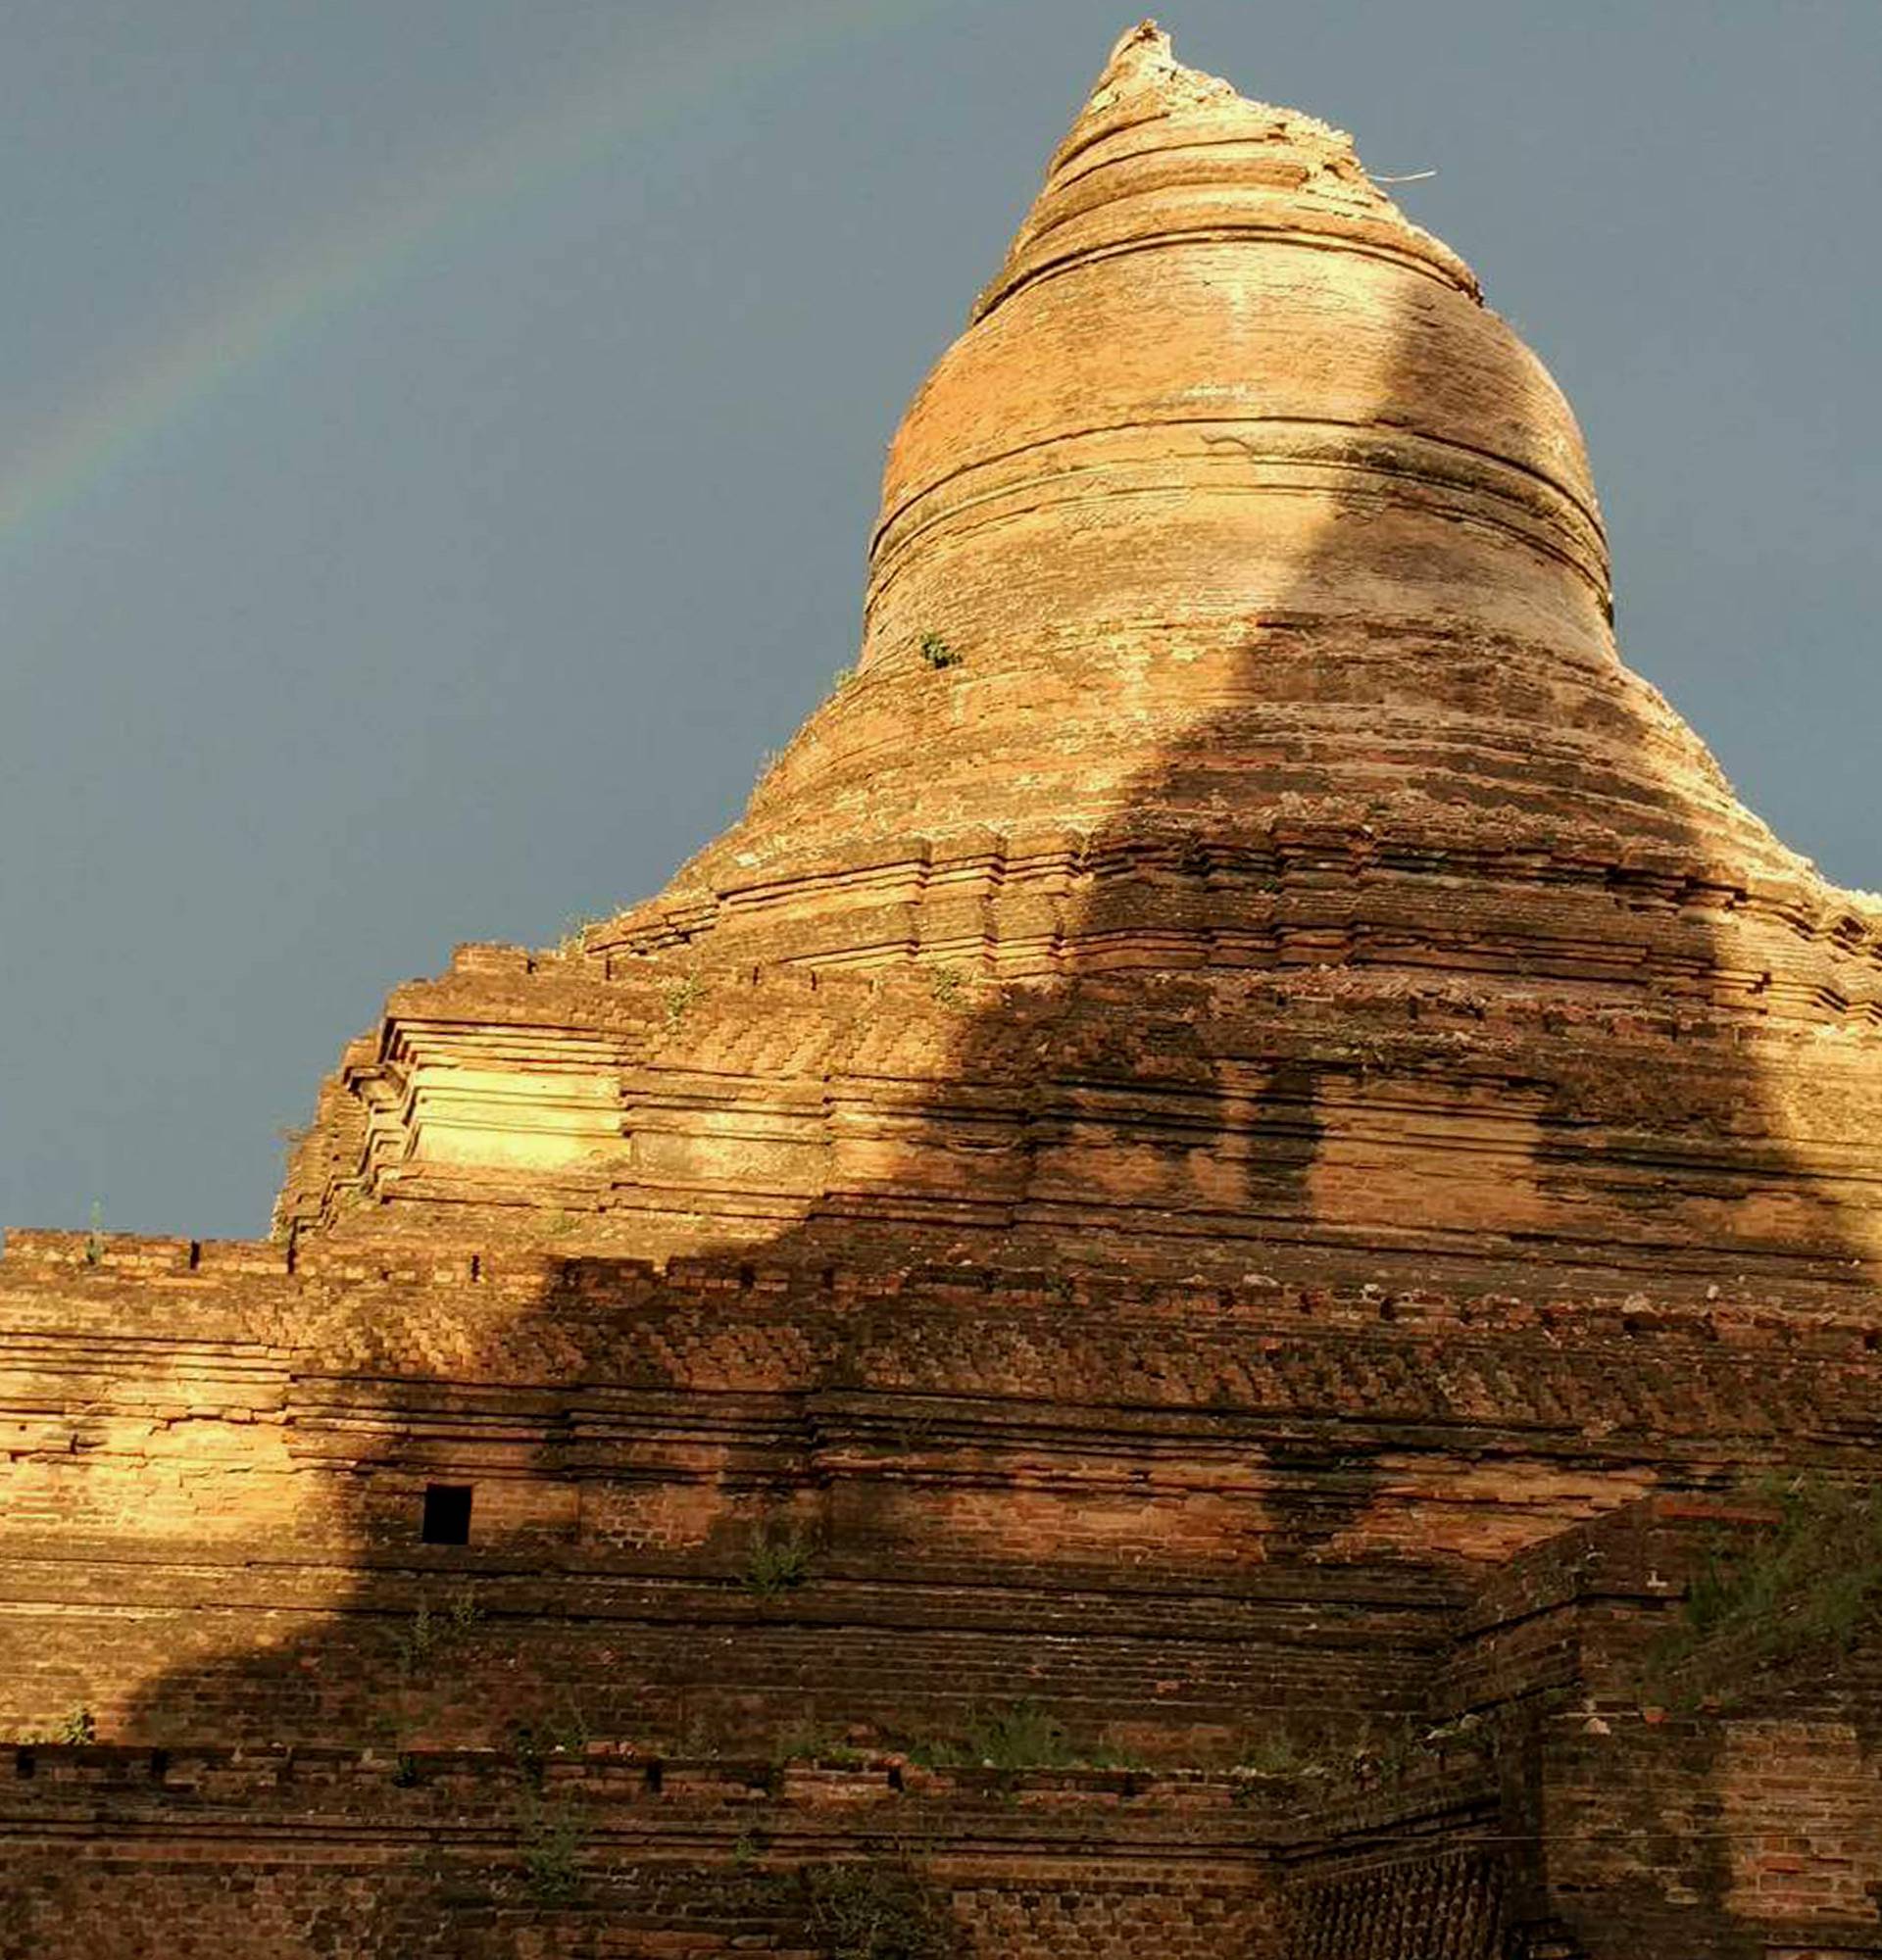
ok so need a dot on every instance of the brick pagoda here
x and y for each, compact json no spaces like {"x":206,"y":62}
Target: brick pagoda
{"x":1212,"y":1289}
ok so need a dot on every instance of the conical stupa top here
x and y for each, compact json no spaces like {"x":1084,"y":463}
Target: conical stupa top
{"x":1161,"y":150}
{"x":1234,"y":505}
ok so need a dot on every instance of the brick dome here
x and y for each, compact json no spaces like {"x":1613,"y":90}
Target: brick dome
{"x":1234,"y":516}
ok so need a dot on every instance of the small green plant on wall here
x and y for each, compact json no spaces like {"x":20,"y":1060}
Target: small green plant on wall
{"x":551,"y":1838}
{"x":679,"y":995}
{"x":777,"y":1563}
{"x":575,"y":933}
{"x":427,"y":1636}
{"x":937,"y":652}
{"x":74,"y":1728}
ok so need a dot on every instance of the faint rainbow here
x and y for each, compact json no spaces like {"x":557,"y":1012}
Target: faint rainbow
{"x":261,"y":315}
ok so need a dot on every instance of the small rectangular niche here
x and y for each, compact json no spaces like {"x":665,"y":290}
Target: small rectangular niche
{"x":447,"y":1514}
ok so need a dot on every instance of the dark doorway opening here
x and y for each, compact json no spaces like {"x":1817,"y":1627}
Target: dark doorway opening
{"x":447,"y":1514}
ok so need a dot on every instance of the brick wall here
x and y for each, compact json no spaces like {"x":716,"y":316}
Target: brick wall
{"x":1728,"y":1834}
{"x":323,"y":1853}
{"x":1192,"y":1524}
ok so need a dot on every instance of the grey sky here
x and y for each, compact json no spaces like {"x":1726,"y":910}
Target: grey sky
{"x":440,"y":438}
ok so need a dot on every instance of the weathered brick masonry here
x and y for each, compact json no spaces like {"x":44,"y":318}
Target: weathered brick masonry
{"x":1234,"y":1173}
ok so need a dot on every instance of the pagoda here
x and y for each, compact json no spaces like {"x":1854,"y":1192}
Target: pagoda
{"x":1210,"y":1290}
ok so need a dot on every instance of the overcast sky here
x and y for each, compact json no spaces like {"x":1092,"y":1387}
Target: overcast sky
{"x":440,"y":438}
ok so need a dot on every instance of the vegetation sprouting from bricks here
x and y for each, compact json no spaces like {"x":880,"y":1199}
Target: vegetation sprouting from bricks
{"x":1808,"y":1577}
{"x":877,"y":1909}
